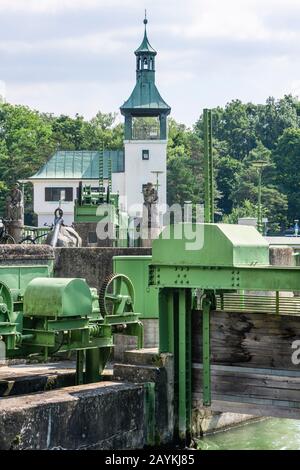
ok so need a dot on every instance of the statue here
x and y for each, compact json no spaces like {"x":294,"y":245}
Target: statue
{"x":15,"y":212}
{"x":150,"y":194}
{"x":15,"y":204}
{"x":150,"y":223}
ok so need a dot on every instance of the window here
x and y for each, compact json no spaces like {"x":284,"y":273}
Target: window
{"x":145,"y":154}
{"x":59,"y":194}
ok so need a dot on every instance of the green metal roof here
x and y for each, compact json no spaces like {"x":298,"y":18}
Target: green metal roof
{"x":80,"y":164}
{"x":145,"y":46}
{"x":145,"y":96}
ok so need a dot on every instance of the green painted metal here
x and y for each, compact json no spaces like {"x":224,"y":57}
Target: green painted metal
{"x":80,"y":164}
{"x":57,"y":297}
{"x":184,"y":364}
{"x":43,"y":316}
{"x":206,"y":309}
{"x":101,"y":173}
{"x":229,"y":259}
{"x":259,"y":278}
{"x":136,"y":268}
{"x":208,"y":168}
{"x":216,"y":245}
{"x":109,"y":176}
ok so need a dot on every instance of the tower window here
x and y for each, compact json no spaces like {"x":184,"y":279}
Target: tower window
{"x":145,"y":154}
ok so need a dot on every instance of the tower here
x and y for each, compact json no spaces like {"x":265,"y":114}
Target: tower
{"x":145,"y":139}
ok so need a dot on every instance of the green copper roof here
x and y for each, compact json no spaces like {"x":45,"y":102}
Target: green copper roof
{"x":145,"y":46}
{"x":145,"y":96}
{"x":80,"y":164}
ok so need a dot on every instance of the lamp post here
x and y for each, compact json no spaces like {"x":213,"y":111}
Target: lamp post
{"x":259,"y":165}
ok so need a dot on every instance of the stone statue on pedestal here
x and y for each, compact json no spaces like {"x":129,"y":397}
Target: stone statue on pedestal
{"x":15,"y":212}
{"x":150,"y":223}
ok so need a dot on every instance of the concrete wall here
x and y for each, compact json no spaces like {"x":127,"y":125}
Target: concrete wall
{"x":92,"y":264}
{"x":105,"y":415}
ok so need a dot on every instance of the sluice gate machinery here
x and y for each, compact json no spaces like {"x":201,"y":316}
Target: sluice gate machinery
{"x":101,"y":205}
{"x":222,"y":260}
{"x":42,"y":316}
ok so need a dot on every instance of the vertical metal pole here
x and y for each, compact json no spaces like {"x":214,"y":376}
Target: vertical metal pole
{"x":184,"y":364}
{"x":92,"y":365}
{"x":109,"y":175}
{"x":101,"y":176}
{"x":277,"y":302}
{"x":259,"y":215}
{"x":166,"y":321}
{"x":208,"y":168}
{"x":182,"y":367}
{"x":206,"y":351}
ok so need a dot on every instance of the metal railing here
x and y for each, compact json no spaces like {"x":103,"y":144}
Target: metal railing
{"x":245,"y":302}
{"x":38,"y":234}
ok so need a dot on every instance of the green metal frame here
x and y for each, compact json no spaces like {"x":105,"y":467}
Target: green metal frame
{"x":208,"y":168}
{"x":43,"y":316}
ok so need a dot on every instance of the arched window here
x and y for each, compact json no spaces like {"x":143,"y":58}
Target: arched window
{"x":145,"y":63}
{"x":151,"y":64}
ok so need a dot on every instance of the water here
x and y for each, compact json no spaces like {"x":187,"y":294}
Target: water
{"x":269,"y":434}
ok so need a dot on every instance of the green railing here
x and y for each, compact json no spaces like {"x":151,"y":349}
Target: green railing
{"x":38,"y":234}
{"x":245,"y":302}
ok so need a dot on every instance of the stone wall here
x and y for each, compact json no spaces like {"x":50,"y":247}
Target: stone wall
{"x":92,"y":264}
{"x":105,"y":415}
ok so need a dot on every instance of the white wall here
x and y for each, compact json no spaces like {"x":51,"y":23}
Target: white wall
{"x":45,"y":209}
{"x":138,"y":171}
{"x":128,"y":184}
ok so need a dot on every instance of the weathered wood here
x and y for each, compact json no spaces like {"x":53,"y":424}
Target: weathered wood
{"x":248,"y":339}
{"x":252,"y":370}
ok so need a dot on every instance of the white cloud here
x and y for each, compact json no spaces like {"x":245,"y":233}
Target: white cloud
{"x":209,"y":51}
{"x":106,"y":42}
{"x":54,"y":6}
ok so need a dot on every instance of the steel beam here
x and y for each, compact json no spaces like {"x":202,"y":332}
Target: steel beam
{"x":260,"y":278}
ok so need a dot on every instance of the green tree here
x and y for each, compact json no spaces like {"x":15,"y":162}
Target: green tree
{"x":287,"y":160}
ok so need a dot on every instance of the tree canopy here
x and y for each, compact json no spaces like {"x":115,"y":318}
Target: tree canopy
{"x":242,"y":134}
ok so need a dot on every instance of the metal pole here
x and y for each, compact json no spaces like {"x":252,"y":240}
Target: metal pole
{"x":208,"y":168}
{"x":259,"y":216}
{"x":101,"y":177}
{"x":206,"y":351}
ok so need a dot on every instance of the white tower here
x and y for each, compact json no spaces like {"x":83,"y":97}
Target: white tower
{"x":145,"y":141}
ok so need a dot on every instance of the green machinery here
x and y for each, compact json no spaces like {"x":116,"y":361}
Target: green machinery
{"x":41,"y":316}
{"x":227,"y":259}
{"x":102,"y":206}
{"x":193,"y":266}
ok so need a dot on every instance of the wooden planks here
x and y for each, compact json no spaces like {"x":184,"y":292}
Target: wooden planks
{"x":248,"y":339}
{"x":252,"y":370}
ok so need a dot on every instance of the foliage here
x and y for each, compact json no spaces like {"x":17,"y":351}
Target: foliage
{"x":243,"y":133}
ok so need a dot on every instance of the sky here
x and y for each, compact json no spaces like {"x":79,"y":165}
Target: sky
{"x":77,"y":56}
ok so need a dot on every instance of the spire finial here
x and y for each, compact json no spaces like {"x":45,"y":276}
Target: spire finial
{"x":145,"y":19}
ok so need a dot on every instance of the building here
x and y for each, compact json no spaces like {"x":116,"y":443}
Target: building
{"x":58,"y":180}
{"x":143,"y":159}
